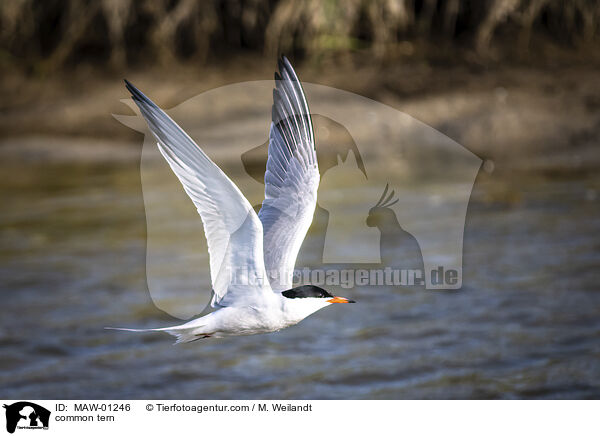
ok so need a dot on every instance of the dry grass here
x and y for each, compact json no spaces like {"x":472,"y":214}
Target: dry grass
{"x":51,"y":35}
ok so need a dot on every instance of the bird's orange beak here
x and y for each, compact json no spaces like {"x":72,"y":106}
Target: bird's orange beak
{"x":340,"y":300}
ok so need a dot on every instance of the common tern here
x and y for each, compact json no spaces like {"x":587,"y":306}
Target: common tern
{"x":252,"y":256}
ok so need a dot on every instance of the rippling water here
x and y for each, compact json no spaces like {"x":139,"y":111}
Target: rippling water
{"x":525,"y":324}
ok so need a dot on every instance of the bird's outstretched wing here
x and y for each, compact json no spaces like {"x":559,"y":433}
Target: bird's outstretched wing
{"x":233,"y":231}
{"x":291,"y":179}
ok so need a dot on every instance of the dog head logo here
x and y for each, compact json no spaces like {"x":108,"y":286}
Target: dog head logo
{"x":26,"y":415}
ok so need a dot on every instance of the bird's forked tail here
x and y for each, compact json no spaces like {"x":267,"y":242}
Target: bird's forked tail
{"x":184,"y":332}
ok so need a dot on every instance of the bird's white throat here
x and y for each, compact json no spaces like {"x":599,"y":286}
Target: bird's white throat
{"x":296,"y":309}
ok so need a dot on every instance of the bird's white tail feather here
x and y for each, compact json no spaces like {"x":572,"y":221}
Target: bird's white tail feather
{"x":182,"y":332}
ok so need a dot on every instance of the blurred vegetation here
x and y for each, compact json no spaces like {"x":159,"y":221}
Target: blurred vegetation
{"x":52,"y":35}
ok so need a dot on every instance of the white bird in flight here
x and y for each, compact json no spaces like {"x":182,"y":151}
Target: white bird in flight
{"x":252,"y":257}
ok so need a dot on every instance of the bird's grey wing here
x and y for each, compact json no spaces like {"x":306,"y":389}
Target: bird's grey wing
{"x":291,"y":178}
{"x":233,"y":231}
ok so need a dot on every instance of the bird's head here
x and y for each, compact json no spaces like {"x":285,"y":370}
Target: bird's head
{"x":308,"y":299}
{"x":381,"y":212}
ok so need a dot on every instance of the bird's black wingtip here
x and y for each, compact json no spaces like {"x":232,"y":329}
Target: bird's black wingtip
{"x":136,"y":94}
{"x":131,"y":88}
{"x":284,"y":63}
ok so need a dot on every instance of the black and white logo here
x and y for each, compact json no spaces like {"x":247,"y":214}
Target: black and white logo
{"x":26,"y":415}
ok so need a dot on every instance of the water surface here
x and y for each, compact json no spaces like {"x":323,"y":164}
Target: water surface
{"x":524,"y":325}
